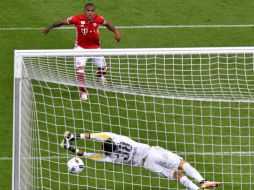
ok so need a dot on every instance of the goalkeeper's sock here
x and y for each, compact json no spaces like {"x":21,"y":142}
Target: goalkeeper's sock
{"x":188,"y":183}
{"x":192,"y":172}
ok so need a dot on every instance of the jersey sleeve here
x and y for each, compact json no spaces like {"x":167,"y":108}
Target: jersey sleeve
{"x":97,"y":157}
{"x":100,"y":20}
{"x":72,"y":20}
{"x":101,"y":137}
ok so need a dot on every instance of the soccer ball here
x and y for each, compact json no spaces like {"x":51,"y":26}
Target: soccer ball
{"x":75,"y":165}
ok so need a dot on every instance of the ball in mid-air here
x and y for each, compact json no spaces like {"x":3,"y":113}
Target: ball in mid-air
{"x":75,"y":165}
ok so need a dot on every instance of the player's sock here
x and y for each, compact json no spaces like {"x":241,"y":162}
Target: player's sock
{"x":80,"y":73}
{"x":188,"y":183}
{"x":192,"y":172}
{"x":82,"y":89}
{"x":103,"y":80}
{"x":101,"y":72}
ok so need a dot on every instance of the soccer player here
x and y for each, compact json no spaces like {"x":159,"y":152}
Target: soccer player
{"x":87,"y":37}
{"x":123,"y":150}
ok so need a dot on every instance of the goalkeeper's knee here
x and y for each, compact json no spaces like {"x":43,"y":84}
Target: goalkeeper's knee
{"x":177,"y":175}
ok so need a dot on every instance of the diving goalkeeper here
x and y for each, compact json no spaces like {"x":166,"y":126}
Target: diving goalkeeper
{"x":123,"y":150}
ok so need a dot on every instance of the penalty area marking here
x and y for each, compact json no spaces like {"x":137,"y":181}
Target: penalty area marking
{"x":143,"y":27}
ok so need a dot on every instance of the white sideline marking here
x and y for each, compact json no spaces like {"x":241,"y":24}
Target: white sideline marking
{"x":142,"y":27}
{"x":179,"y":153}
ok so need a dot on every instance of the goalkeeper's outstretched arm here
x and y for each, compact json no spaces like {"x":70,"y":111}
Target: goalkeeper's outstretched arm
{"x":97,"y":156}
{"x":100,"y":137}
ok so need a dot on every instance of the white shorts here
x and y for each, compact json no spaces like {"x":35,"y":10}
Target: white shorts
{"x":81,"y":61}
{"x":162,"y":161}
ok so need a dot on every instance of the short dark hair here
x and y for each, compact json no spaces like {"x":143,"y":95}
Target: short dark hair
{"x":89,"y":5}
{"x":108,"y":146}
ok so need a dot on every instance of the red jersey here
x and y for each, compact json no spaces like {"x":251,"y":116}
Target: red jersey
{"x":87,"y":35}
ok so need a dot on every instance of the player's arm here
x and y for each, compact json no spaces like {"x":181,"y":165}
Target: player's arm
{"x":100,"y":157}
{"x":55,"y":25}
{"x":113,"y":29}
{"x":101,"y":137}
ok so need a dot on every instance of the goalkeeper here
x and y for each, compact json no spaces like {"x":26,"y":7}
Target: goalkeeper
{"x":123,"y":150}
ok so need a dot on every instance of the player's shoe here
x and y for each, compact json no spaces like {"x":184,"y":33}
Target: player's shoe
{"x":209,"y":184}
{"x":103,"y":80}
{"x":84,"y":96}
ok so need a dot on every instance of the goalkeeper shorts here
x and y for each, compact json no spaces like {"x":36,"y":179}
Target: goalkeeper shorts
{"x":162,"y":161}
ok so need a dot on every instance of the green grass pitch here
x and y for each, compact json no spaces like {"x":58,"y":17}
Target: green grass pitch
{"x":37,"y":14}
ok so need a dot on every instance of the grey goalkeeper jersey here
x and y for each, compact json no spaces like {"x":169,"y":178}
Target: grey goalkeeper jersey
{"x":127,"y":151}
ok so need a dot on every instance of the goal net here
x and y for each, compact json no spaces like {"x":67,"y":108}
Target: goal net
{"x":196,"y":102}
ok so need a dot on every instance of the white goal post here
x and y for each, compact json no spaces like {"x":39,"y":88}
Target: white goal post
{"x":196,"y":102}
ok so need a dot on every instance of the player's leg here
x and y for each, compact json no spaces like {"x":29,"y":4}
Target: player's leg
{"x":192,"y":172}
{"x":80,"y":63}
{"x":170,"y":160}
{"x":184,"y":180}
{"x":175,"y":162}
{"x":100,"y":62}
{"x":80,"y":73}
{"x":153,"y":164}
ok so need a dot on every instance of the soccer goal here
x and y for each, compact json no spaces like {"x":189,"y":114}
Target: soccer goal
{"x":196,"y":102}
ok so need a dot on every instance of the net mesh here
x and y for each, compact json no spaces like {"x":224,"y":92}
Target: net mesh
{"x":199,"y":106}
